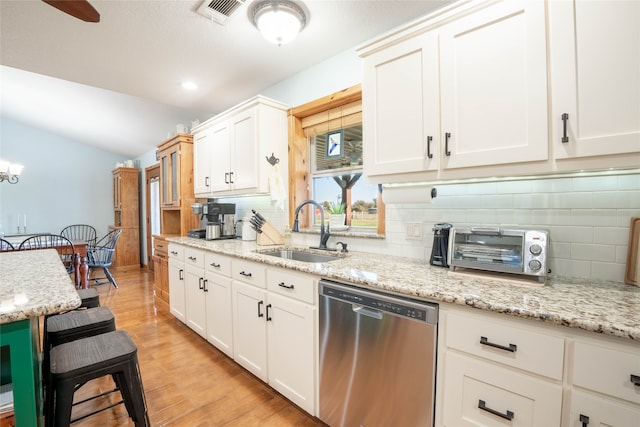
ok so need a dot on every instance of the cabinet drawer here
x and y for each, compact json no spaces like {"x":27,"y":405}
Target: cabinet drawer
{"x":194,"y":257}
{"x":607,"y":370}
{"x":298,"y":286}
{"x":217,"y":263}
{"x":176,"y":252}
{"x":249,"y":272}
{"x":472,"y":383}
{"x":160,"y":247}
{"x":506,"y":343}
{"x":601,"y":412}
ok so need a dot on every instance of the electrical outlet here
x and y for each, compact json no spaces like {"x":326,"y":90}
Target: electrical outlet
{"x":413,"y":231}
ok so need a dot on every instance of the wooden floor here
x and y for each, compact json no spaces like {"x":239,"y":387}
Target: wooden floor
{"x":187,"y":381}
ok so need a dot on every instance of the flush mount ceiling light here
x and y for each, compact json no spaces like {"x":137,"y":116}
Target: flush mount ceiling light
{"x":279,"y":21}
{"x":189,"y":85}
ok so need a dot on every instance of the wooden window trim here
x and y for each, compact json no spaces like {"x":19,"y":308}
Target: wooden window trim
{"x":299,"y":149}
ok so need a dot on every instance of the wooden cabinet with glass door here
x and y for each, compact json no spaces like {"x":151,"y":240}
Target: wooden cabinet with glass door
{"x":176,"y":186}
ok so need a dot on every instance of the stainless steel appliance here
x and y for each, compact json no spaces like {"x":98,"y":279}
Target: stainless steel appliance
{"x":500,"y":249}
{"x":377,"y":358}
{"x":217,"y":220}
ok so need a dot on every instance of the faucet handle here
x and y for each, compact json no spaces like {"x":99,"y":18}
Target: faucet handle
{"x":343,"y":245}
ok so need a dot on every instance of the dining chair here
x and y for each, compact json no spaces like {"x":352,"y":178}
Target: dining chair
{"x":5,"y":246}
{"x":84,"y":232}
{"x":63,"y":245}
{"x":101,"y":256}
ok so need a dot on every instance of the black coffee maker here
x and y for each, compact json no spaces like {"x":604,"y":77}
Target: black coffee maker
{"x":440,"y":250}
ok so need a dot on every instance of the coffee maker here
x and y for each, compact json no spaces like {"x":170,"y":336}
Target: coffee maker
{"x":217,"y":220}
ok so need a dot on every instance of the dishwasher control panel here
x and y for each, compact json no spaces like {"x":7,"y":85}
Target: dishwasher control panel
{"x":388,"y":304}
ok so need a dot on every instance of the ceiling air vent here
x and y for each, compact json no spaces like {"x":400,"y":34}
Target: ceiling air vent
{"x":219,"y":10}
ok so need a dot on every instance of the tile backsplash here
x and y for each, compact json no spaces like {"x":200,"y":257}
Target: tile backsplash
{"x":587,"y":218}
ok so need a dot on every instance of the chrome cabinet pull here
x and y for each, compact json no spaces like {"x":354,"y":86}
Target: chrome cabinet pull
{"x":181,"y":274}
{"x":230,"y":177}
{"x":206,"y":288}
{"x":635,"y":379}
{"x":206,"y":181}
{"x":429,"y":154}
{"x":200,"y":283}
{"x":226,"y":177}
{"x":446,"y":143}
{"x":584,"y":420}
{"x":242,"y":273}
{"x":485,"y":341}
{"x":565,"y":118}
{"x":282,"y":285}
{"x":508,"y":416}
{"x":259,"y":311}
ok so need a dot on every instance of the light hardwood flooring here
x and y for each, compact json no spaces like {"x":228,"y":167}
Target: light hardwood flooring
{"x":187,"y":381}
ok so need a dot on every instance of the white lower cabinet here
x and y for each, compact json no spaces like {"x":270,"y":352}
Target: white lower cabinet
{"x":177,"y":305}
{"x":219,"y":313}
{"x":274,"y":334}
{"x":591,"y":410}
{"x":482,"y":393}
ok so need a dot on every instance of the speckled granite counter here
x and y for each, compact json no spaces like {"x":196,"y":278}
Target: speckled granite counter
{"x":32,"y":284}
{"x":604,"y":307}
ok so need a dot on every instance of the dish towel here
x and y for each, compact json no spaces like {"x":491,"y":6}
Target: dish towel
{"x":277,"y":188}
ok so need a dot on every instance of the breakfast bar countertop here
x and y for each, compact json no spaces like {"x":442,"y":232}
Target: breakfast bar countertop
{"x":34,"y":283}
{"x":609,"y":308}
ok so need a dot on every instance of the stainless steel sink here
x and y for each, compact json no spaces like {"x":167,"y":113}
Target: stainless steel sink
{"x":300,"y":255}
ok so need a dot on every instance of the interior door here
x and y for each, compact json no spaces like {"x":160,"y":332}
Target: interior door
{"x":153,"y":209}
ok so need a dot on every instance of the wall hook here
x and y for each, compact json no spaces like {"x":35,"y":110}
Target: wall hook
{"x":272,"y":160}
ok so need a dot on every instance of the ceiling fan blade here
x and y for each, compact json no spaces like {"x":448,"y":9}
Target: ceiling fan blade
{"x":80,"y":9}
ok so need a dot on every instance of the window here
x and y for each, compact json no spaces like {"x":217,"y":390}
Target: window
{"x":325,"y":161}
{"x":336,"y":169}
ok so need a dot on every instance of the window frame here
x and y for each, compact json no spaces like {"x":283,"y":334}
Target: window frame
{"x":299,"y":147}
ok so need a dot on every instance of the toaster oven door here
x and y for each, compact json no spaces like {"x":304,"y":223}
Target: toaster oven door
{"x":486,"y":250}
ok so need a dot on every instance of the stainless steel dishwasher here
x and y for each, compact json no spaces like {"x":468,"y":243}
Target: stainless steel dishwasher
{"x":377,"y":358}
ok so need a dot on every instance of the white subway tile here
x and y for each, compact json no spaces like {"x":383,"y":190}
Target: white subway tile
{"x":571,"y":234}
{"x":481,"y":216}
{"x":481,"y":188}
{"x":593,"y":252}
{"x":531,"y":201}
{"x":551,"y":216}
{"x":629,"y":182}
{"x":628,"y":199}
{"x":611,"y":235}
{"x":515,"y":187}
{"x":559,"y":250}
{"x":571,"y":268}
{"x":594,"y":183}
{"x":604,"y":199}
{"x":600,"y":217}
{"x":607,"y":271}
{"x":553,"y":185}
{"x":625,"y":215}
{"x":621,"y":254}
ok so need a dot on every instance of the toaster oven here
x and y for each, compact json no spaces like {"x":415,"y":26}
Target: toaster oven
{"x":499,"y":249}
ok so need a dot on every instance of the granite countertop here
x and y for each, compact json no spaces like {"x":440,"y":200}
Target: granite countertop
{"x":603,"y":307}
{"x":34,"y":283}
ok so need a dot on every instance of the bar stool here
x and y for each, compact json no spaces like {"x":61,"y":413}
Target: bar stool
{"x":66,"y":327}
{"x":76,"y":362}
{"x":89,"y":298}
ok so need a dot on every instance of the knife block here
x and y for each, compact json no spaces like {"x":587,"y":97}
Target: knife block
{"x":269,"y":236}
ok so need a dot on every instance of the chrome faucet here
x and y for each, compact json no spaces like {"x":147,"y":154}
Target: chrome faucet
{"x":324,"y":235}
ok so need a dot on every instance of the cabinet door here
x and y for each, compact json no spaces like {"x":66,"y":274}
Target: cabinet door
{"x":219,"y":313}
{"x":196,"y":314}
{"x":220,"y":152}
{"x":244,"y":154}
{"x":479,"y":393}
{"x":249,"y":329}
{"x":177,"y":305}
{"x":595,"y":76}
{"x":600,"y":411}
{"x":290,"y":326}
{"x":202,"y":161}
{"x":494,"y":86}
{"x":401,"y":106}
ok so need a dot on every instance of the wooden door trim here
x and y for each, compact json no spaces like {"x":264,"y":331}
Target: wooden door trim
{"x":149,"y":173}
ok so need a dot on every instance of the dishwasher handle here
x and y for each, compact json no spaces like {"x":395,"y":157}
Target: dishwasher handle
{"x":359,"y":309}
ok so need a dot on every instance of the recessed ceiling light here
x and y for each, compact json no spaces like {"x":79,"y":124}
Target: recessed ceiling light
{"x":188,"y":85}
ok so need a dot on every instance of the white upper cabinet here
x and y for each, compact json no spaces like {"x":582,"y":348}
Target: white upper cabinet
{"x":595,"y":74}
{"x":400,"y":95}
{"x":493,"y":82}
{"x":457,"y":99}
{"x":232,"y":147}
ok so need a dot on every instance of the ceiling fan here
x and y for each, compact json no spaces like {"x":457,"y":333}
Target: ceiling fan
{"x":80,"y":9}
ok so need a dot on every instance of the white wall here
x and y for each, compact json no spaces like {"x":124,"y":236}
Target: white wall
{"x":63,"y":182}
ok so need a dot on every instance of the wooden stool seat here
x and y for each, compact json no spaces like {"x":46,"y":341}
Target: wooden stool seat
{"x":76,"y":362}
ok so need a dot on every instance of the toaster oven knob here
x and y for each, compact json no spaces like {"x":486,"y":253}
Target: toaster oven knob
{"x":535,"y":265}
{"x":535,"y":249}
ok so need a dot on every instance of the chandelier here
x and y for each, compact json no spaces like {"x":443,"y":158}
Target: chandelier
{"x":10,"y":172}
